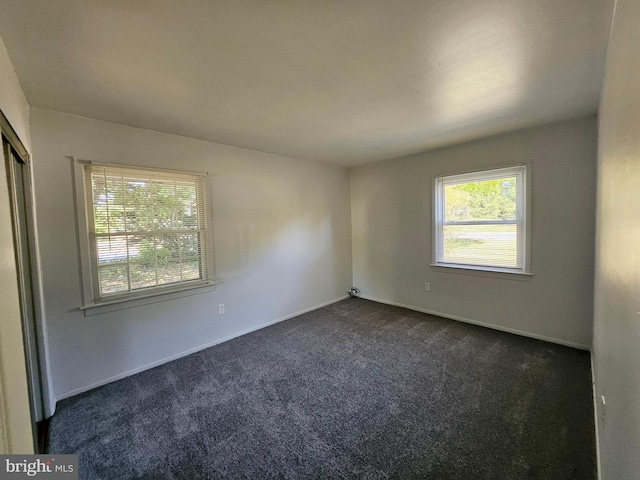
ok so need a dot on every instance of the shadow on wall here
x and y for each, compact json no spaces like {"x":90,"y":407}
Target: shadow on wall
{"x":394,"y":241}
{"x":273,"y":237}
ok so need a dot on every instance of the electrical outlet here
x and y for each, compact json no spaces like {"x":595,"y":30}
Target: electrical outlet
{"x":221,"y":309}
{"x":603,"y":410}
{"x":427,"y":287}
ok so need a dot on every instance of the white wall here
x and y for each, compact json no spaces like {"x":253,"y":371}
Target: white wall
{"x":12,"y":100}
{"x":617,"y":293}
{"x":282,"y":245}
{"x":15,"y":419}
{"x":392,"y":234}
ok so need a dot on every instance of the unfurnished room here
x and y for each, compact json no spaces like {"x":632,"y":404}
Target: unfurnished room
{"x":320,"y":239}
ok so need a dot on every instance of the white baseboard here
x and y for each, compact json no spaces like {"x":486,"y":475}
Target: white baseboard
{"x":50,"y":407}
{"x":162,"y":361}
{"x":595,"y":416}
{"x":483,"y":324}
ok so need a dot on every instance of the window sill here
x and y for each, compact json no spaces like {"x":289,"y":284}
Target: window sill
{"x":170,"y":293}
{"x":490,"y":272}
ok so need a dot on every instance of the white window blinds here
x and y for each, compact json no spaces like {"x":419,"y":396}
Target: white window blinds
{"x":147,"y":229}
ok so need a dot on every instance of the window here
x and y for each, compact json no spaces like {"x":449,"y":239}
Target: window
{"x":146,"y":231}
{"x":481,"y":220}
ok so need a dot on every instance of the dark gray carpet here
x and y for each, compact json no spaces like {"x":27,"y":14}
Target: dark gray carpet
{"x":353,"y":390}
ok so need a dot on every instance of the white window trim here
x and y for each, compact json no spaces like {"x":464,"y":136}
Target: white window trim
{"x":130,"y":299}
{"x":524,"y":239}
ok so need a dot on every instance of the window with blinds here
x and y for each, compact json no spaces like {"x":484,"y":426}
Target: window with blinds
{"x":480,"y":220}
{"x":147,"y":230}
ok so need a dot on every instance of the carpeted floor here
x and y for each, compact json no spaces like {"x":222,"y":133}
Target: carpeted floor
{"x":353,"y":390}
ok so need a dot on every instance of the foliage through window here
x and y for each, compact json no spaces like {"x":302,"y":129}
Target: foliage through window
{"x":147,"y":230}
{"x":480,"y":220}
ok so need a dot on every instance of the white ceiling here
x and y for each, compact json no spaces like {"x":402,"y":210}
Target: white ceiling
{"x":341,"y":81}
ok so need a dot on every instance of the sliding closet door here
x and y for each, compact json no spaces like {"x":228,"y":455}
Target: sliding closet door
{"x":19,"y":180}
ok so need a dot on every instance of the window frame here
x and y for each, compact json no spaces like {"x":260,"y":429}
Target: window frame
{"x":523,"y":219}
{"x":91,"y":298}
